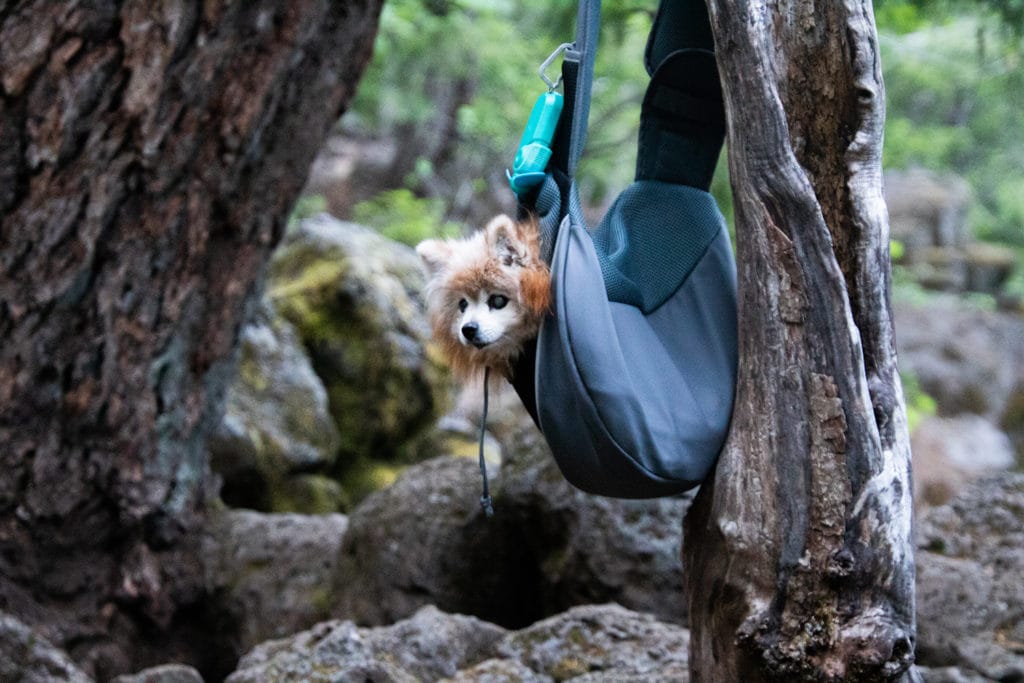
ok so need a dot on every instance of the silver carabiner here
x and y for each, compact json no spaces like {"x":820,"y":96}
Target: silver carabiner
{"x":547,"y":62}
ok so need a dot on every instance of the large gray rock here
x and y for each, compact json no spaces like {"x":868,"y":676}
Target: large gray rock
{"x":592,"y":549}
{"x":948,"y":674}
{"x":27,"y":657}
{"x":950,"y":452}
{"x":591,"y":644}
{"x":167,"y":673}
{"x":276,"y":427}
{"x":926,"y":209}
{"x":927,"y":216}
{"x":355,"y":299}
{"x":548,"y":547}
{"x":969,"y":360}
{"x":601,"y":643}
{"x":970,"y":581}
{"x":499,"y":671}
{"x":271,"y":574}
{"x":424,"y":540}
{"x":427,"y":647}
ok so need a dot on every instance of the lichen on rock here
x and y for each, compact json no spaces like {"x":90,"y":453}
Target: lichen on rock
{"x":601,"y":643}
{"x":356,"y":300}
{"x":276,"y":427}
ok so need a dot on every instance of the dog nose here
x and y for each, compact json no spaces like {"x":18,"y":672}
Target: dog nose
{"x":469,"y":331}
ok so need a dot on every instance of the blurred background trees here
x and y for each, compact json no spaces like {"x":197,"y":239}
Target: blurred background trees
{"x":438,"y":116}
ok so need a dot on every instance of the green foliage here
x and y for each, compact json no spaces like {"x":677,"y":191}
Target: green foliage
{"x":484,"y":56}
{"x":902,"y":16}
{"x":956,"y":102}
{"x":402,"y":216}
{"x":721,"y":190}
{"x":896,"y":250}
{"x":919,"y":404}
{"x":898,"y":16}
{"x":1014,"y":287}
{"x":462,"y":74}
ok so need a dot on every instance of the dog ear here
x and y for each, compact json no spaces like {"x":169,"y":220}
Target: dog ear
{"x":504,"y":242}
{"x":434,"y":254}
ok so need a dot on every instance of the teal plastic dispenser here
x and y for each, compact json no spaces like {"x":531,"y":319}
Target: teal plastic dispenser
{"x":534,"y":151}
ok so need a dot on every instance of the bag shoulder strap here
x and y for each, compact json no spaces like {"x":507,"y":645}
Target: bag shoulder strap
{"x":684,"y":93}
{"x":577,"y":78}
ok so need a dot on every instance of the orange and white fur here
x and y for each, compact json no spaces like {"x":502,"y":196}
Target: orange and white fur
{"x":486,"y":294}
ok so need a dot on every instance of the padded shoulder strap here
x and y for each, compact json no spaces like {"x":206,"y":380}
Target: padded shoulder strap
{"x":678,"y":25}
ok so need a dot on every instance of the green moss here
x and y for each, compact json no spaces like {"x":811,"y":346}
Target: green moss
{"x":322,"y":599}
{"x":461,"y":446}
{"x":303,"y":288}
{"x":568,"y":667}
{"x":306,"y":265}
{"x":309,"y":494}
{"x":382,"y":401}
{"x":577,"y":636}
{"x":365,"y":476}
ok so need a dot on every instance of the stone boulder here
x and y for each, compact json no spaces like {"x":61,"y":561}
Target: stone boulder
{"x":499,"y":671}
{"x":276,"y":433}
{"x":928,"y":217}
{"x":988,"y":267}
{"x":589,"y":644}
{"x":969,"y":360}
{"x":355,"y":299}
{"x":167,"y":673}
{"x":970,"y":581}
{"x":950,"y":452}
{"x":548,"y":547}
{"x":948,"y":674}
{"x":269,"y":575}
{"x":601,"y":643}
{"x":429,"y":646}
{"x":592,"y":549}
{"x":27,"y":657}
{"x":926,"y":209}
{"x":425,"y":540}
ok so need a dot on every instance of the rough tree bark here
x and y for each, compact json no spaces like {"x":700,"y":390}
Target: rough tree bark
{"x":798,"y":553}
{"x":149,"y":153}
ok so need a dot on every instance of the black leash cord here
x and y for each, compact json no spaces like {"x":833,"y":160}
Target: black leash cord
{"x":485,"y":496}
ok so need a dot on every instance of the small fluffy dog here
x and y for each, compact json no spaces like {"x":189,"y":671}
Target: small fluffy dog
{"x":486,"y":294}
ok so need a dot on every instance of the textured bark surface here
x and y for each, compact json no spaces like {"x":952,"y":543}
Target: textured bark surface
{"x":798,"y":554}
{"x":149,"y":153}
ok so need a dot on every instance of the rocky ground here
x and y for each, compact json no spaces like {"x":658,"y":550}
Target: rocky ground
{"x":352,"y":546}
{"x":291,"y":574}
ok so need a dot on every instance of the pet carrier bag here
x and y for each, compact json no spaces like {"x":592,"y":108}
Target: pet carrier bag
{"x":632,"y":377}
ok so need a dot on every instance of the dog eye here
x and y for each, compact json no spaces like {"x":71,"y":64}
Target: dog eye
{"x":497,"y":301}
{"x":463,"y":305}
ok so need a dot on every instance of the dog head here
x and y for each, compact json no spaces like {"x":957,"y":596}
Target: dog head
{"x":486,"y":294}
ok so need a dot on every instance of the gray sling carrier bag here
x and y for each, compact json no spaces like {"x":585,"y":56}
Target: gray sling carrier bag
{"x":632,"y":377}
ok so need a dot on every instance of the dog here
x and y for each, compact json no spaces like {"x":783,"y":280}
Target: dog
{"x":486,"y":294}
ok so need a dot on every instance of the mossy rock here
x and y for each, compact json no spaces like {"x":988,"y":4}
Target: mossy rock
{"x":309,"y":494}
{"x":276,"y":423}
{"x":364,"y":476}
{"x":355,"y":299}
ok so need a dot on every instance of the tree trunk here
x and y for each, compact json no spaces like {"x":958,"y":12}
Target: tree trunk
{"x":149,"y":153}
{"x":798,"y":553}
